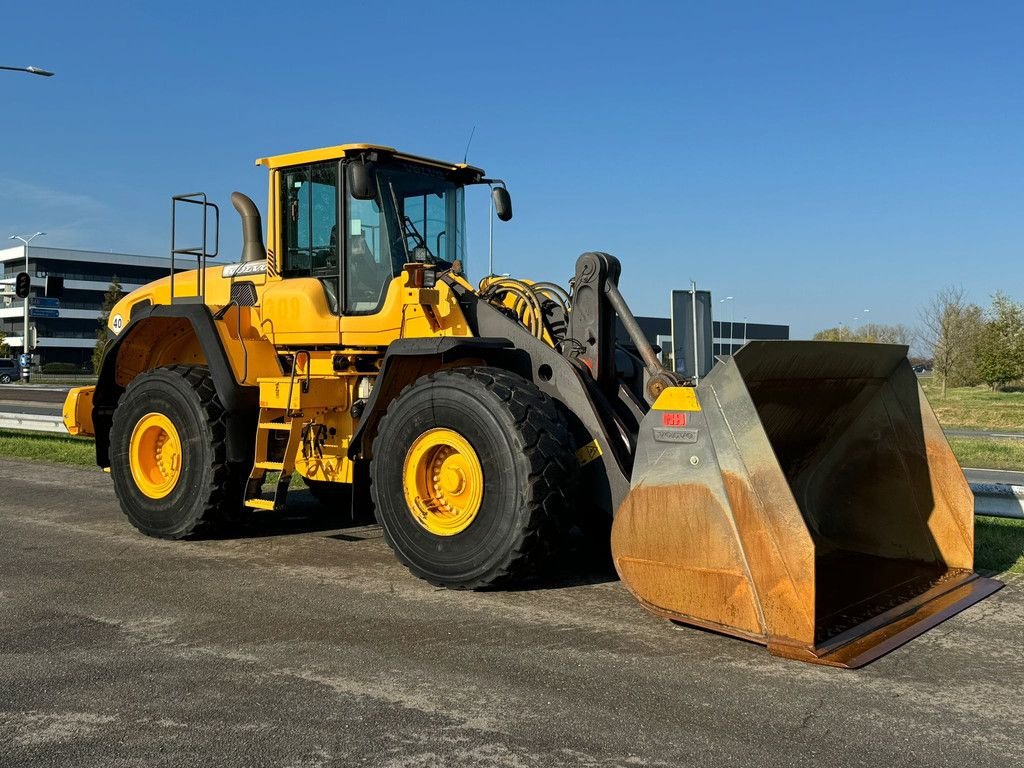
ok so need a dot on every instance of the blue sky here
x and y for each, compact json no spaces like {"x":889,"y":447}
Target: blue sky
{"x":812,"y":159}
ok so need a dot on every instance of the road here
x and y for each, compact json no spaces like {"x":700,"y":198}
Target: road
{"x":303,"y":645}
{"x":17,"y":398}
{"x":1005,"y":476}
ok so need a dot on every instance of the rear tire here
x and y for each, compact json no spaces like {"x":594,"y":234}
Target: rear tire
{"x":523,"y":449}
{"x":5,"y":378}
{"x":204,"y":492}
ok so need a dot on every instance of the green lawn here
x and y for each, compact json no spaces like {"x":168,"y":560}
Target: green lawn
{"x":988,"y":452}
{"x":45,"y":446}
{"x":998,"y":545}
{"x":975,"y":407}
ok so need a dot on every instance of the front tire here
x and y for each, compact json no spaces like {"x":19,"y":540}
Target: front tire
{"x":471,"y":468}
{"x":167,"y":454}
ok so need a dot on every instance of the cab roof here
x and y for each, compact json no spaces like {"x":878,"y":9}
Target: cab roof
{"x":343,"y":150}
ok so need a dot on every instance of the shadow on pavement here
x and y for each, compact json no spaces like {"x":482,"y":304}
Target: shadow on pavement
{"x":303,"y":515}
{"x":576,"y":561}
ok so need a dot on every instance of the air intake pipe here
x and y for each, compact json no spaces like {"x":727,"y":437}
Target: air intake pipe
{"x":252,"y":228}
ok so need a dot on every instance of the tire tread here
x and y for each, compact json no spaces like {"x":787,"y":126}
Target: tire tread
{"x":215,"y":512}
{"x":551,"y":477}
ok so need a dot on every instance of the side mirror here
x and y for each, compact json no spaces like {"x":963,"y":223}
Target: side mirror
{"x":361,"y":181}
{"x":502,"y":203}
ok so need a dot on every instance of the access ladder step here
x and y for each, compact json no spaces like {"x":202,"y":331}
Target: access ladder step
{"x":275,"y":425}
{"x":267,"y":504}
{"x":273,"y":466}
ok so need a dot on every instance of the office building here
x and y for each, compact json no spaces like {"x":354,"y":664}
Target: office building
{"x":67,"y":333}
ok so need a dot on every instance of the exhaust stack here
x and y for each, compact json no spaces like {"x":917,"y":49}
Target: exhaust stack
{"x":252,"y":228}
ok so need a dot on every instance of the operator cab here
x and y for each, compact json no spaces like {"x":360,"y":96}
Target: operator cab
{"x":353,"y":216}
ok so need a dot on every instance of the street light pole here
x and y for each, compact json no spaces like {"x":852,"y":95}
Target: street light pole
{"x":30,"y":70}
{"x":732,"y":321}
{"x":25,"y":334}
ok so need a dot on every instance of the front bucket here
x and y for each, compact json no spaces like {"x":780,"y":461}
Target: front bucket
{"x":802,"y":496}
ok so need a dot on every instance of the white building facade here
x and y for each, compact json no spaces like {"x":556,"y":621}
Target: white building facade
{"x":67,"y":333}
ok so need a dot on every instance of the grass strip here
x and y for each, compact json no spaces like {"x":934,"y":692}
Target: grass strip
{"x":989,"y":452}
{"x":975,"y":407}
{"x":998,"y":545}
{"x":44,"y":446}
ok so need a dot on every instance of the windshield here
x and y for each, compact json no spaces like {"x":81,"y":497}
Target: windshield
{"x":424,"y":210}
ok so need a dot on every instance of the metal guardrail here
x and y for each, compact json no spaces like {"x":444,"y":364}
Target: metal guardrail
{"x":990,"y":499}
{"x":32,"y":422}
{"x":998,"y":500}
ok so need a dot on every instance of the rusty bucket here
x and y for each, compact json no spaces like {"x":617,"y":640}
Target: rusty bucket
{"x":802,"y":496}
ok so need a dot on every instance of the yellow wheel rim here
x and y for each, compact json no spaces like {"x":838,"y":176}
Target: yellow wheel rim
{"x":154,"y":455}
{"x":444,"y":482}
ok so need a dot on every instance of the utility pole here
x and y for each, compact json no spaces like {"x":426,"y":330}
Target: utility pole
{"x":696,"y":354}
{"x":732,"y":320}
{"x":25,"y":334}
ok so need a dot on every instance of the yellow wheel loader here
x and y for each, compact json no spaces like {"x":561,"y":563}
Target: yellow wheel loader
{"x":801,"y":496}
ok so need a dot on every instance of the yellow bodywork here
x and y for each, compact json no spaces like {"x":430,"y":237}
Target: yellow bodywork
{"x":287,"y":315}
{"x":341,"y":150}
{"x":78,"y":411}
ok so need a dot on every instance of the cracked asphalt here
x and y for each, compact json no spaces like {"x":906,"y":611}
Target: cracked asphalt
{"x":308,"y":645}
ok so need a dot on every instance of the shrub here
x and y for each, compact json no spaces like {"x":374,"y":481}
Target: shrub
{"x":59,"y":368}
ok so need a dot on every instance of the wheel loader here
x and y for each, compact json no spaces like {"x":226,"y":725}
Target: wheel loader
{"x":801,"y":495}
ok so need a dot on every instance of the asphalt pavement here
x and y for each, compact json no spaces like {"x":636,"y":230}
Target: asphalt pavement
{"x":41,"y":400}
{"x":1005,"y":476}
{"x":305,"y":644}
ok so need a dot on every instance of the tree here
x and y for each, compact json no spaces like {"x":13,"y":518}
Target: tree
{"x":5,"y":351}
{"x":950,"y":328}
{"x":1000,"y":353}
{"x":875,"y":333}
{"x":110,"y":298}
{"x":878,"y":333}
{"x":831,"y":334}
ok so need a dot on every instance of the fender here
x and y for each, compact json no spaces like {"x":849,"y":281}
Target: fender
{"x":407,"y":359}
{"x":240,"y":402}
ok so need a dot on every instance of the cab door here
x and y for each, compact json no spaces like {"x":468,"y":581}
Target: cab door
{"x":372,"y":303}
{"x":302,"y":308}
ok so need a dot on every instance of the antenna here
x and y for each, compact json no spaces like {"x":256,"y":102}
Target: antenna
{"x":465,"y":157}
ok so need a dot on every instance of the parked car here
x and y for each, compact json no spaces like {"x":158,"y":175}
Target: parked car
{"x":9,"y":370}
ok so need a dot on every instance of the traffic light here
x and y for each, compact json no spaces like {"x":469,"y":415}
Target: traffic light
{"x":54,"y":286}
{"x":22,"y":284}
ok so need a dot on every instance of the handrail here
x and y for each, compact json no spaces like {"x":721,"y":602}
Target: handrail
{"x":201,"y":252}
{"x":291,"y":381}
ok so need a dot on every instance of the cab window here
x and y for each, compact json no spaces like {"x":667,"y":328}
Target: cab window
{"x":369,"y":266}
{"x":309,"y":226}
